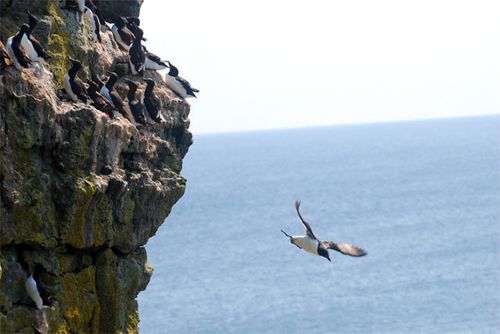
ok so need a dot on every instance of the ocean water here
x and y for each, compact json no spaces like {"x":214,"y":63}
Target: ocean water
{"x":423,"y":198}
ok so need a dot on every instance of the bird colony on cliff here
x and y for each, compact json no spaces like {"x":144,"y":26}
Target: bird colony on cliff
{"x":22,"y":50}
{"x":133,"y":101}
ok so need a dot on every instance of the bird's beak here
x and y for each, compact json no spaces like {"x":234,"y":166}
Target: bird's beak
{"x":286,"y":234}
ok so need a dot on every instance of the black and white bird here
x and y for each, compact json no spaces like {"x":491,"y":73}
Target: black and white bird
{"x":133,"y":23}
{"x":151,"y":102}
{"x":153,"y":62}
{"x":100,"y":102}
{"x":122,"y":107}
{"x":95,"y":23}
{"x":136,"y":55}
{"x":122,"y":34}
{"x":313,"y":245}
{"x":95,"y":78}
{"x":108,"y":86}
{"x":34,"y":49}
{"x":73,"y":85}
{"x":16,"y":51}
{"x":177,"y":84}
{"x":32,"y":291}
{"x":136,"y":107}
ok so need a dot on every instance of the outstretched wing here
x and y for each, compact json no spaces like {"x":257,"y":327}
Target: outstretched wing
{"x":345,"y":249}
{"x":309,"y":231}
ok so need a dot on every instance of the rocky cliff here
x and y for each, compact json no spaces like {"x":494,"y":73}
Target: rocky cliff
{"x":80,"y":194}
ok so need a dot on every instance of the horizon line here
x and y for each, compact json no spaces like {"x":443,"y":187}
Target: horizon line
{"x":410,"y":120}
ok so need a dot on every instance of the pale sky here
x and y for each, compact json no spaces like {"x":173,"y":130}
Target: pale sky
{"x":283,"y":63}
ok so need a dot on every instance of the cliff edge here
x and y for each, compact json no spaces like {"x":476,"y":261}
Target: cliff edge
{"x":80,"y":194}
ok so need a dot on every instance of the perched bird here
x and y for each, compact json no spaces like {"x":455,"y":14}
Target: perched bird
{"x":96,"y":79}
{"x":32,"y":290}
{"x":15,"y":50}
{"x":4,"y":56}
{"x":153,"y":62}
{"x":90,"y":4}
{"x":136,"y":55}
{"x":123,"y":36}
{"x":33,"y":47}
{"x":78,"y":5}
{"x":313,"y":245}
{"x":73,"y":85}
{"x":132,"y":20}
{"x":151,"y":102}
{"x":133,"y":23}
{"x":95,"y":24}
{"x":100,"y":102}
{"x":136,"y":107}
{"x":178,"y":85}
{"x":122,"y":107}
{"x":106,"y":88}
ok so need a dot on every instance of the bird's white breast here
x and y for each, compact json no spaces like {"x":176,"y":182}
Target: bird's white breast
{"x":175,"y":85}
{"x":118,"y":38}
{"x":306,"y":243}
{"x":32,"y":291}
{"x":67,"y":88}
{"x":151,"y":65}
{"x":105,"y":92}
{"x":10,"y":52}
{"x":90,"y":17}
{"x":28,"y":47}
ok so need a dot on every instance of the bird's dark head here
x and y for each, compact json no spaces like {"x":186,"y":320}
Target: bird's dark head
{"x":324,"y":253}
{"x":112,"y":76}
{"x":131,"y":84}
{"x":133,"y":19}
{"x":150,"y":82}
{"x":32,"y":18}
{"x":75,"y":63}
{"x":139,"y":33}
{"x":121,"y":22}
{"x":25,"y":28}
{"x":173,"y":70}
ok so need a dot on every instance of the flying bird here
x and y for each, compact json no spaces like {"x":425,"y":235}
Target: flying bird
{"x":313,"y":245}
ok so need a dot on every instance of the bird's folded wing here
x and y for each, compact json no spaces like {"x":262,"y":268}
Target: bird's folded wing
{"x":345,"y":249}
{"x":309,"y":231}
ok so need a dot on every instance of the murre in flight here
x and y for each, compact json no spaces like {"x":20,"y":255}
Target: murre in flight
{"x":313,"y":245}
{"x":136,"y":55}
{"x":122,"y":34}
{"x":73,"y":86}
{"x":15,"y":50}
{"x":180,"y":86}
{"x":34,"y":49}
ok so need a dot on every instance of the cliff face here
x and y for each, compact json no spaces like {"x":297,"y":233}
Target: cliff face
{"x":80,"y":194}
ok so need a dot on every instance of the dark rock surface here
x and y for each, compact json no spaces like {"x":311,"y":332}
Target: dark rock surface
{"x":80,"y":194}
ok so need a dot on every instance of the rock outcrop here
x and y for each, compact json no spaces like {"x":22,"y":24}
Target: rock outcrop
{"x":80,"y":194}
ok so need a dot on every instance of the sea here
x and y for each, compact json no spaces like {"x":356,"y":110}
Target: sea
{"x":421,"y":197}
